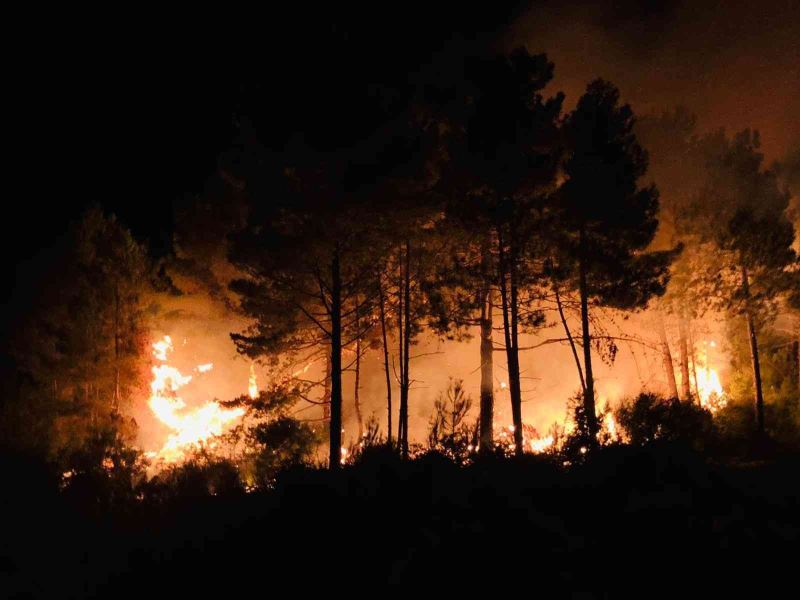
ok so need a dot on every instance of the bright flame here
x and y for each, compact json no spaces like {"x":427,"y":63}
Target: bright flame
{"x":539,"y":445}
{"x":610,"y":425}
{"x":161,"y":347}
{"x":531,"y":440}
{"x":709,"y":388}
{"x":252,"y":383}
{"x":188,"y":428}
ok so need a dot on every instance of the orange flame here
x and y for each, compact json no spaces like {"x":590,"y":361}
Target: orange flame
{"x":252,"y":383}
{"x":709,"y":387}
{"x":188,"y":428}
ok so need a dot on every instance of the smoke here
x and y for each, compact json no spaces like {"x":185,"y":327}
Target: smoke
{"x":734,"y":64}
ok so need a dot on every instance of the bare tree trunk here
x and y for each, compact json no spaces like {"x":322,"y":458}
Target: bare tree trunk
{"x":326,"y":408}
{"x":683,"y":349}
{"x":666,"y":357}
{"x":487,"y":358}
{"x":400,"y":340}
{"x":796,"y":363}
{"x":751,"y":331}
{"x":516,"y":389}
{"x":406,"y":382}
{"x":508,"y":295}
{"x":386,"y":365}
{"x":115,"y":407}
{"x":336,"y":364}
{"x":487,"y":375}
{"x":569,"y":337}
{"x":694,"y":365}
{"x":588,"y":396}
{"x":358,"y":375}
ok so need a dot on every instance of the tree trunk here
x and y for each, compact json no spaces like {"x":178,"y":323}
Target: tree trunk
{"x":666,"y":358}
{"x":694,"y":365}
{"x":516,"y":388}
{"x":487,"y":358}
{"x":336,"y":364}
{"x":570,"y":338}
{"x":796,"y":364}
{"x":401,"y":354}
{"x":326,"y":407}
{"x":406,"y":381}
{"x":356,"y":400}
{"x":751,"y":331}
{"x":588,"y":396}
{"x":386,"y":365}
{"x":683,"y":349}
{"x":508,"y":295}
{"x":115,"y":407}
{"x":487,"y":375}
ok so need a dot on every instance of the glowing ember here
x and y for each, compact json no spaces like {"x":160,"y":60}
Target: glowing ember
{"x":252,"y":383}
{"x":188,"y":428}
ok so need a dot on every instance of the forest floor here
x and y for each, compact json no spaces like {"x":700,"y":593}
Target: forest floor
{"x":628,"y":522}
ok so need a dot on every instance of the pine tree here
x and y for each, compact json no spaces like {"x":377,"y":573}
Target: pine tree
{"x":606,"y":220}
{"x":741,"y":210}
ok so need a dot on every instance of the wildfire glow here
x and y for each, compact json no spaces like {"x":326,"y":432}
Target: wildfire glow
{"x":539,"y":445}
{"x":189,"y":428}
{"x":709,"y":387}
{"x":531,"y":440}
{"x":611,"y":426}
{"x":252,"y":383}
{"x":161,"y":347}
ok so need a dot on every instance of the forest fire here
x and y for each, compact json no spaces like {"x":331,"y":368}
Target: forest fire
{"x":190,"y":428}
{"x":514,"y":298}
{"x":252,"y":383}
{"x":709,"y":388}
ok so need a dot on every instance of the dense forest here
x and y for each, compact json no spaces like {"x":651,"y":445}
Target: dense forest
{"x":455,"y":306}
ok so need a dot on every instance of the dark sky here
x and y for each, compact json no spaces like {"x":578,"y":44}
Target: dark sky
{"x":131,"y":111}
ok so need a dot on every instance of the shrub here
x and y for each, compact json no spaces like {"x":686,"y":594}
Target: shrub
{"x":649,"y":417}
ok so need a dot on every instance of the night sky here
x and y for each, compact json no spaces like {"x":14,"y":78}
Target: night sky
{"x":133,"y":114}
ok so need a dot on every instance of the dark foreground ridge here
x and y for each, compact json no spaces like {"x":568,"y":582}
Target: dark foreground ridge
{"x":629,"y":520}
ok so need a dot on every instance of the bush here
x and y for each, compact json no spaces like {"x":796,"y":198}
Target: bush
{"x":449,"y":432}
{"x":649,"y":418}
{"x":200,"y":476}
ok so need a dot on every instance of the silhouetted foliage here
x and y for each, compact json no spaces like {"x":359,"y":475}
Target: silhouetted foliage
{"x":270,"y":439}
{"x":449,"y":432}
{"x":607,"y":221}
{"x":649,"y":418}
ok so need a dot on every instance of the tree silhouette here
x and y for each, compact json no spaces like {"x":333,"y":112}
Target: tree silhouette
{"x":504,"y":155}
{"x":606,"y":219}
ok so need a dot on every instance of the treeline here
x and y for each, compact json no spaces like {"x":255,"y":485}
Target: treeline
{"x":484,"y":205}
{"x":455,"y":206}
{"x":78,"y":351}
